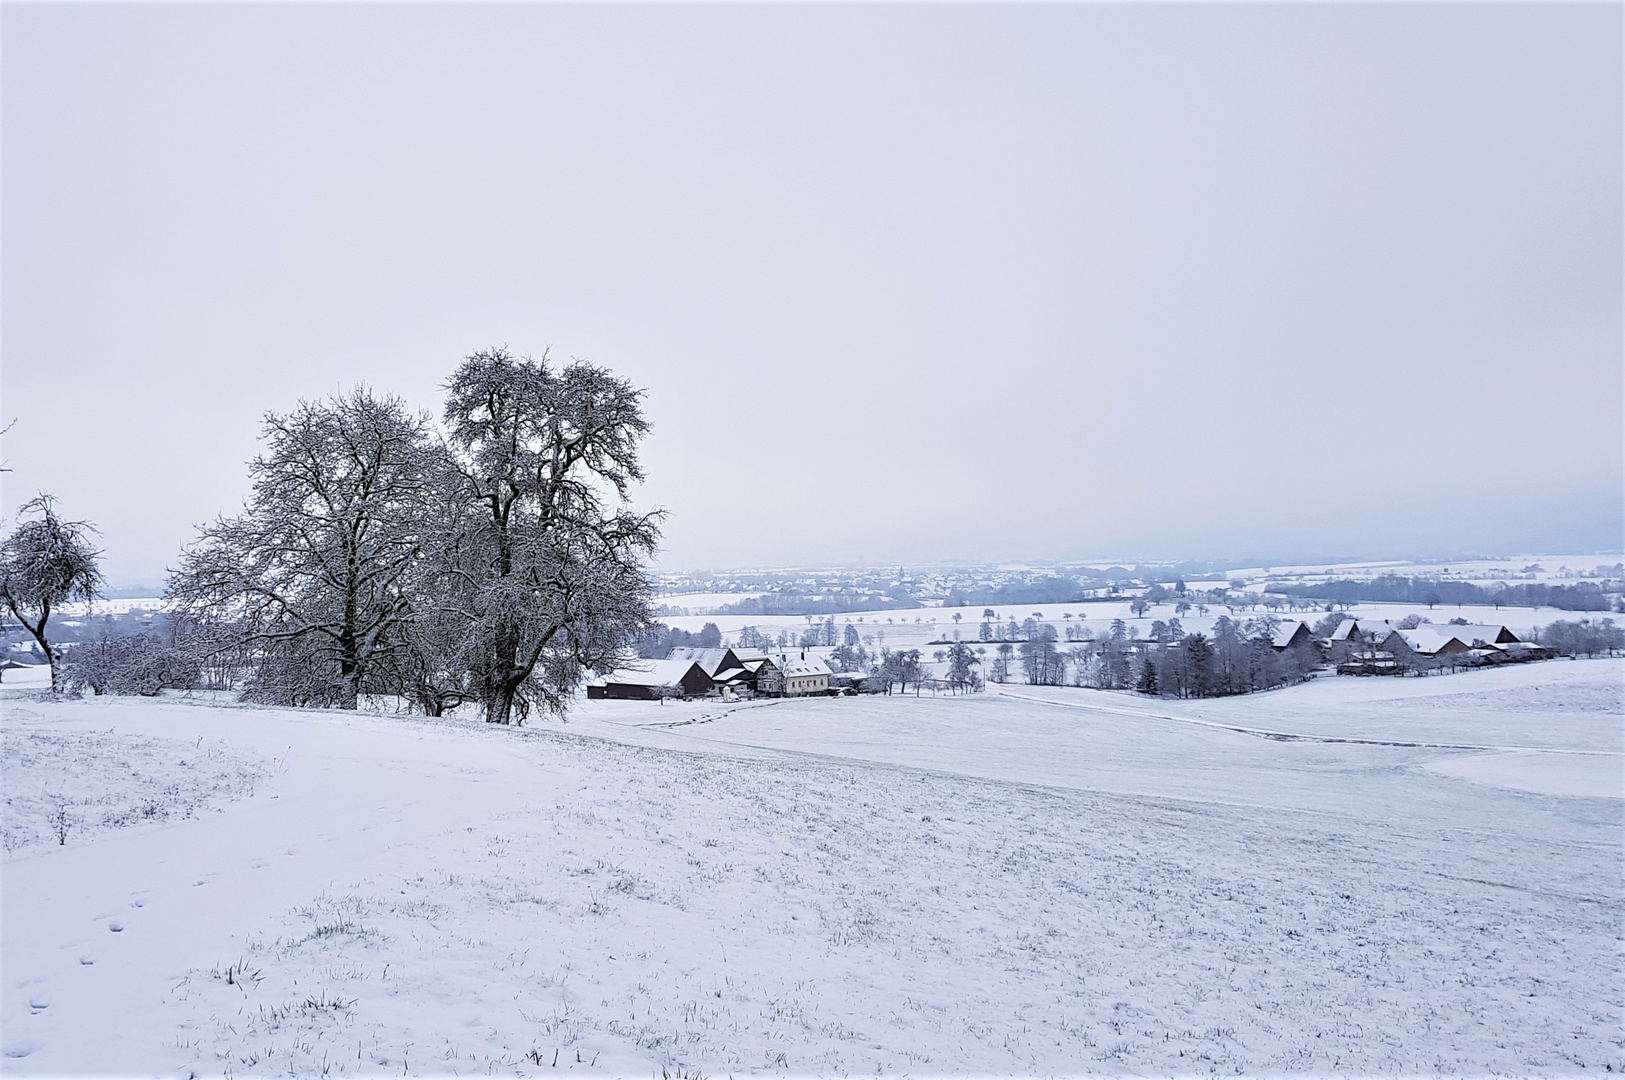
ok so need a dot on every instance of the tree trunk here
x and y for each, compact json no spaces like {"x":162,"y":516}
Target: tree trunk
{"x":38,"y":634}
{"x":499,"y":706}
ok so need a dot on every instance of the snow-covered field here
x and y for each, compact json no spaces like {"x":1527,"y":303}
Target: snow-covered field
{"x":1350,"y":876}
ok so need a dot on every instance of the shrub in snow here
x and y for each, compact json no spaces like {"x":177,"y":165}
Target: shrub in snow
{"x":132,"y":664}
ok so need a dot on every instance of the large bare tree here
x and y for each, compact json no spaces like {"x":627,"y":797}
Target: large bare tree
{"x":551,"y":570}
{"x":312,"y":574}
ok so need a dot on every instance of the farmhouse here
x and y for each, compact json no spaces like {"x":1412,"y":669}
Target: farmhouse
{"x":803,"y":675}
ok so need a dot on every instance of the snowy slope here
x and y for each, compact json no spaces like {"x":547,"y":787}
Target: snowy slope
{"x":974,"y":885}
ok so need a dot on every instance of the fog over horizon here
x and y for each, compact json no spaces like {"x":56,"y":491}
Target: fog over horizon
{"x":904,"y":284}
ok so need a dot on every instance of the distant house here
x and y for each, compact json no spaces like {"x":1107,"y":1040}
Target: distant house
{"x":647,"y":680}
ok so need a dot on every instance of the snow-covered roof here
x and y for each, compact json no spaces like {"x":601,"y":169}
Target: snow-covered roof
{"x":649,"y":673}
{"x":1285,"y":632}
{"x":1489,"y":633}
{"x":1427,"y":639}
{"x":728,"y":674}
{"x":1345,"y":630}
{"x":708,"y":659}
{"x":798,"y":667}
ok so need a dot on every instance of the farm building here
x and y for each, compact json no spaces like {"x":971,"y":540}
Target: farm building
{"x":647,"y":680}
{"x":726,"y":668}
{"x":1425,"y":640}
{"x":765,"y":675}
{"x":1293,"y":635}
{"x":711,"y":661}
{"x":1430,"y":639}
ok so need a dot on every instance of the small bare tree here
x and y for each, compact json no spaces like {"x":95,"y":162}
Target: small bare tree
{"x":47,"y":562}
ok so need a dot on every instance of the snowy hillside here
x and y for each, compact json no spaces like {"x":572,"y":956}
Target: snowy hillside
{"x":1423,"y":878}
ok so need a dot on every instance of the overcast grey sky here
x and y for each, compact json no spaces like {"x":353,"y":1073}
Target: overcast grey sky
{"x":903,"y":283}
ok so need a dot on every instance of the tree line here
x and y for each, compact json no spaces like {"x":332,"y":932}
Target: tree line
{"x":1238,"y":657}
{"x":491,"y":558}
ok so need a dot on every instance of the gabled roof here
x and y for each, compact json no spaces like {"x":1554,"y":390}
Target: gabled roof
{"x":728,"y":674}
{"x":710,"y":660}
{"x":1287,"y":631}
{"x":1345,"y":630}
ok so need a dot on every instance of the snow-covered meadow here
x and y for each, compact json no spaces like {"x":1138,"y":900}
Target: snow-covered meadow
{"x":1349,"y":876}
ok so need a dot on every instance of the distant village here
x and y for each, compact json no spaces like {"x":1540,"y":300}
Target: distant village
{"x":1338,"y":644}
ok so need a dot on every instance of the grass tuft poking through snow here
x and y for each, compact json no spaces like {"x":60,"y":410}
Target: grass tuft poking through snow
{"x":63,"y":787}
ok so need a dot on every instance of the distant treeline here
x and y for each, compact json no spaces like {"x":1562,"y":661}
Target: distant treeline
{"x":825,"y":603}
{"x":1392,"y":588}
{"x":657,"y":642}
{"x":1050,"y":590}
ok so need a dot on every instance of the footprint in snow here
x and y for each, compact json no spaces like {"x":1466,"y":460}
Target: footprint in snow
{"x":116,"y":927}
{"x":21,"y":1048}
{"x":39,"y":1002}
{"x":87,"y":959}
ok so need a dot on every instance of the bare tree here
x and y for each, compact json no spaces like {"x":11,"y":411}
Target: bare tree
{"x":47,"y":562}
{"x":312,"y":572}
{"x":962,"y":662}
{"x":553,"y":565}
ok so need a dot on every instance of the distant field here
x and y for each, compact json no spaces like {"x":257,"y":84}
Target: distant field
{"x":913,"y":628}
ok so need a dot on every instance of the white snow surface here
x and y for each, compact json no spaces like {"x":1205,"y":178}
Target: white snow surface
{"x":1039,"y":881}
